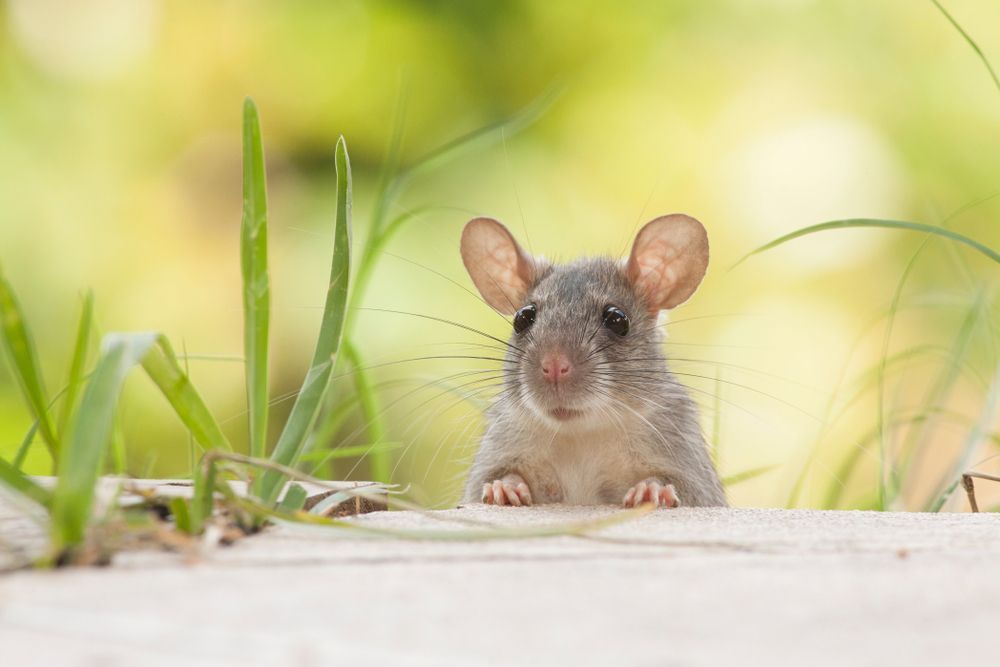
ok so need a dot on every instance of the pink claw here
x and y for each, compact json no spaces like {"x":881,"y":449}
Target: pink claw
{"x":652,"y":491}
{"x":511,"y":490}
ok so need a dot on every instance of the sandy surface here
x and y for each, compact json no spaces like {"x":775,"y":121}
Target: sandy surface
{"x":676,"y":587}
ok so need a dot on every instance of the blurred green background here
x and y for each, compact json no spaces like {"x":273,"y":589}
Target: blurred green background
{"x":120,"y":171}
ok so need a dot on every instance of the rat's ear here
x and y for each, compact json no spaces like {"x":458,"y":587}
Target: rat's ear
{"x":502,"y":271}
{"x":669,"y":258}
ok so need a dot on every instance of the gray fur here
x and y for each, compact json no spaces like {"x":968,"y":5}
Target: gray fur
{"x":639,"y":420}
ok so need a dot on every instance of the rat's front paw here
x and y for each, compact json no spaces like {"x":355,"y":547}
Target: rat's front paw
{"x":511,"y":490}
{"x":653,"y":491}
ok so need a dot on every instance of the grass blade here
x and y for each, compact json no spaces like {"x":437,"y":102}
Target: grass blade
{"x":91,"y":431}
{"x":391,"y":187}
{"x":256,"y":283}
{"x":970,"y":41}
{"x":22,"y":450}
{"x":21,"y":484}
{"x":291,"y":443}
{"x":916,"y":443}
{"x":181,"y":510}
{"x":380,"y":232}
{"x":204,"y":494}
{"x":977,"y":435}
{"x":29,"y":437}
{"x":387,"y":187}
{"x":21,"y":350}
{"x":294,"y":499}
{"x":484,"y":135}
{"x":876,"y":223}
{"x":320,"y":457}
{"x":371,"y":415}
{"x":731,"y":480}
{"x":81,"y":459}
{"x":75,"y":378}
{"x":163,"y":368}
{"x":884,"y":444}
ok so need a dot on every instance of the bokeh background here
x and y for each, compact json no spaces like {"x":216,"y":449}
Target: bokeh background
{"x":120,"y":172}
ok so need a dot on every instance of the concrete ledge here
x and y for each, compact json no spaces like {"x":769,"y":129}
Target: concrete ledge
{"x":688,"y":586}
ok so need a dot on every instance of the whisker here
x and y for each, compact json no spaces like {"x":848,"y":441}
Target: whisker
{"x":445,"y":321}
{"x":451,"y":280}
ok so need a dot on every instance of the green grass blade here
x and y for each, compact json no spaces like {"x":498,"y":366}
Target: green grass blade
{"x":972,"y":43}
{"x":81,"y":459}
{"x":844,"y":472}
{"x":294,"y":499}
{"x":22,"y":485}
{"x":21,"y":350}
{"x":380,"y":233}
{"x":22,"y":450}
{"x":937,"y":396}
{"x":181,"y":510}
{"x":321,"y":456}
{"x":875,"y":223}
{"x":371,"y":414}
{"x":204,"y":493}
{"x":327,"y":425}
{"x":391,"y":188}
{"x":163,"y":368}
{"x":387,"y":187}
{"x":91,"y":432}
{"x":373,"y":250}
{"x":76,"y":367}
{"x":291,"y":443}
{"x":884,"y":444}
{"x":731,"y":480}
{"x":484,"y":135}
{"x":256,"y":283}
{"x":119,"y":450}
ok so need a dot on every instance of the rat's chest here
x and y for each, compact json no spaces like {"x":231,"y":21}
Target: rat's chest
{"x":589,"y":470}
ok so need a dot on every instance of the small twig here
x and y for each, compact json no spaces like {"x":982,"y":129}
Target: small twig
{"x":970,"y":488}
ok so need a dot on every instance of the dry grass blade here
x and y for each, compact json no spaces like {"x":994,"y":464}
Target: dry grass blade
{"x":970,"y":487}
{"x":477,"y":530}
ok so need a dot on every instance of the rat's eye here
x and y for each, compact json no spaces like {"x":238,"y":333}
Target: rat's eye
{"x":616,"y":320}
{"x":524,"y":318}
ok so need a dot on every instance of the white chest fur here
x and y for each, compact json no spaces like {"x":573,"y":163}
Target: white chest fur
{"x":588,"y":466}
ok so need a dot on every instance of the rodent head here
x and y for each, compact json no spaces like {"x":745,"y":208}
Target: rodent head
{"x":586,"y":336}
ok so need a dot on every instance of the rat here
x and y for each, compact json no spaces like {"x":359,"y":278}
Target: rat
{"x":590,"y":412}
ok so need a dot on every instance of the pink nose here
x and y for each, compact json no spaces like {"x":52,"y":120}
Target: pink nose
{"x":556,"y":367}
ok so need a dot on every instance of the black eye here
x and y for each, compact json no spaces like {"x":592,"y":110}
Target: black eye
{"x":616,"y":320}
{"x":524,"y":318}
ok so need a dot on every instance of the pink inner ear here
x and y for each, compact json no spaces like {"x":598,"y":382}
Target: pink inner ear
{"x":653,"y":273}
{"x":668,"y":260}
{"x":505,"y":276}
{"x":499,"y":268}
{"x":655,"y":282}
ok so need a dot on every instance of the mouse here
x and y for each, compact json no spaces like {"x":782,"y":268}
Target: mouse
{"x":589,"y":412}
